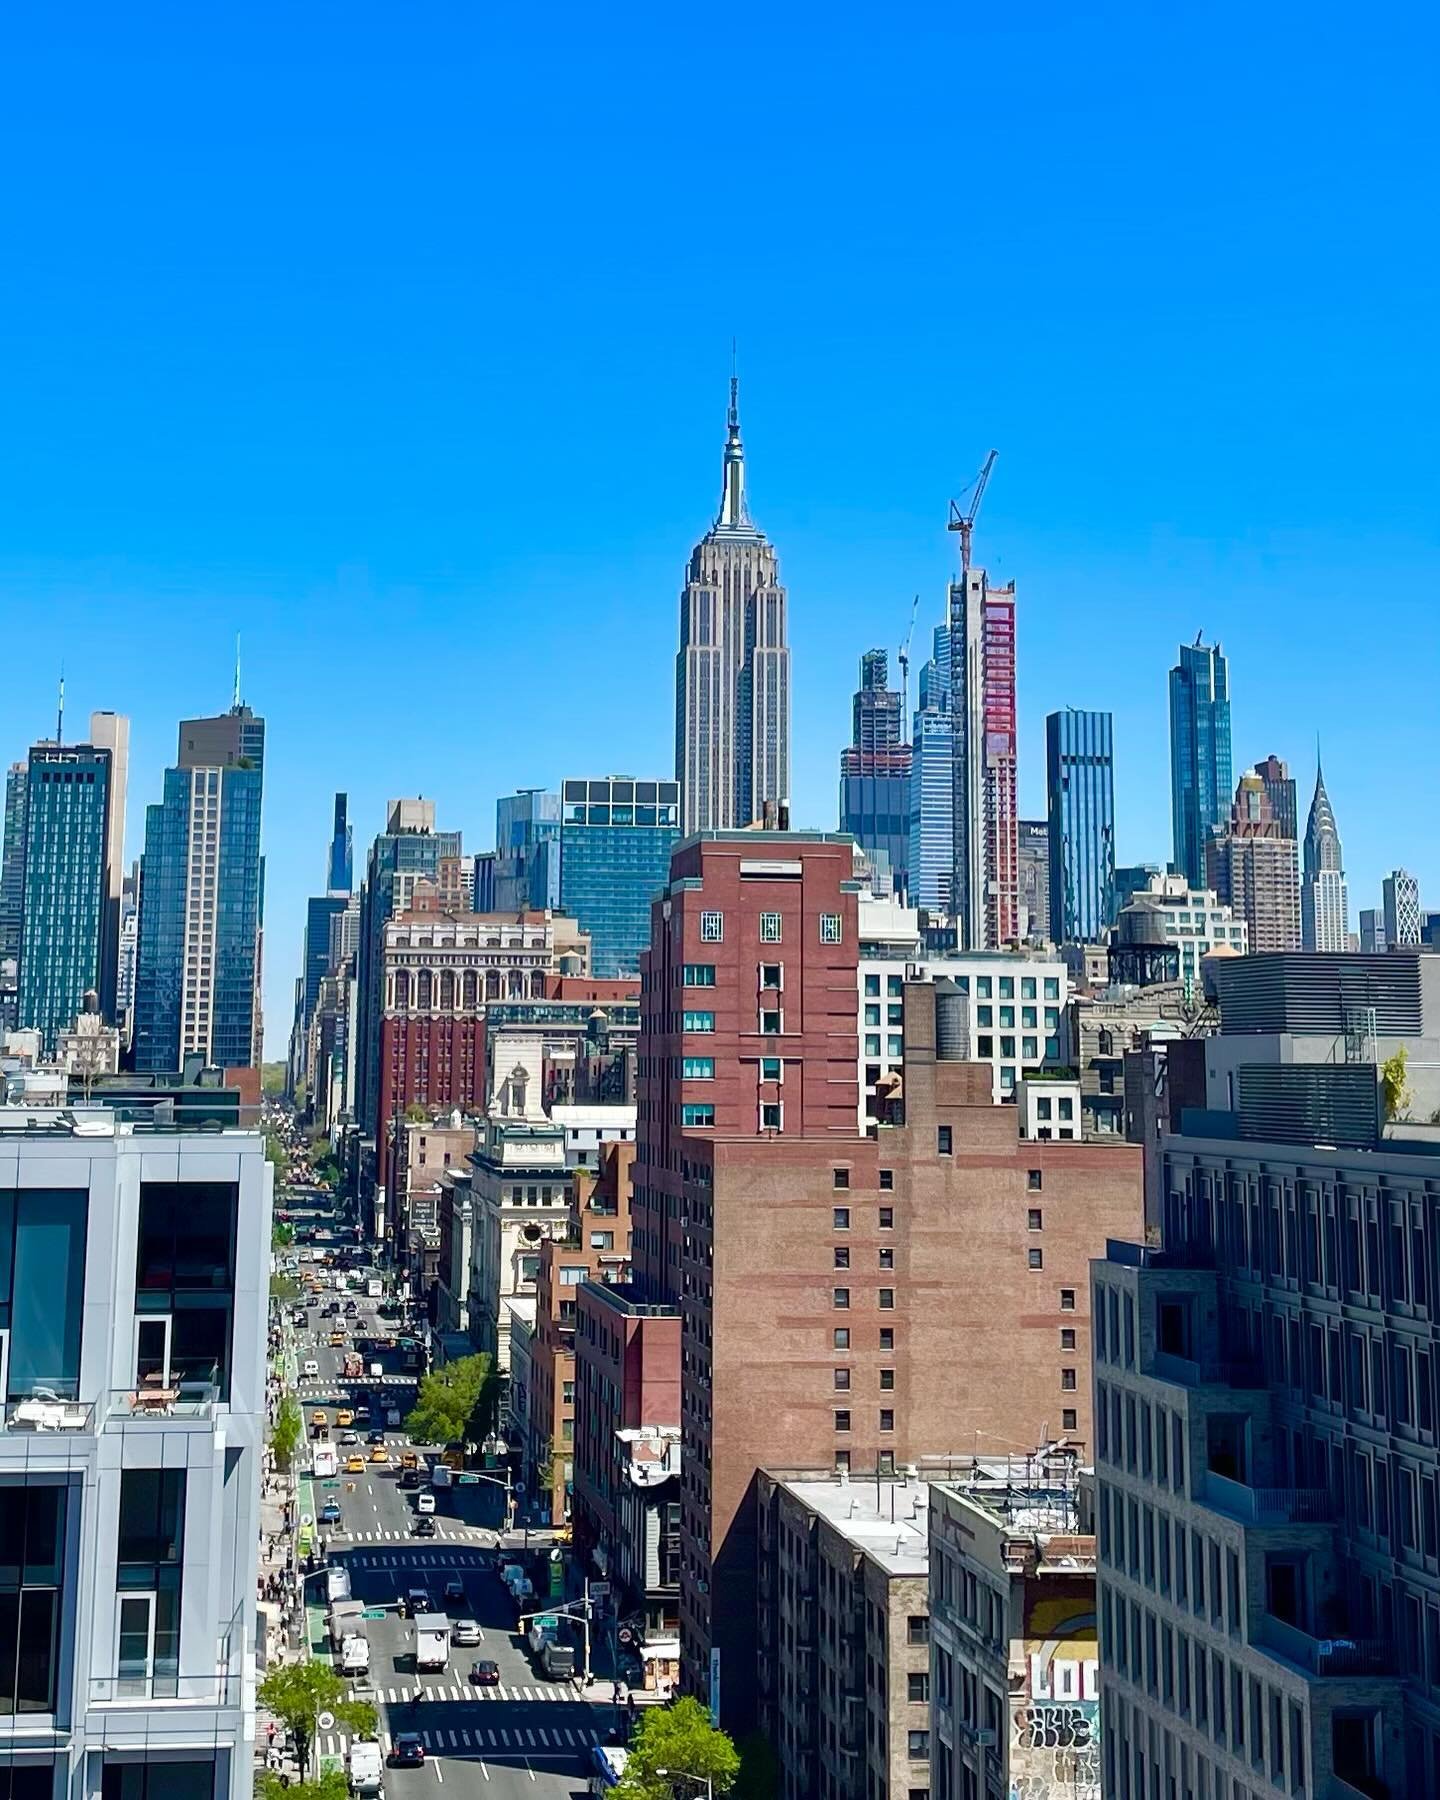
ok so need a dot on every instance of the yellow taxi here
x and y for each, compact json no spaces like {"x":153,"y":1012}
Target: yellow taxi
{"x":344,"y":1417}
{"x":354,"y":1465}
{"x":408,"y":1459}
{"x":336,"y":1339}
{"x":380,"y":1454}
{"x":318,"y":1417}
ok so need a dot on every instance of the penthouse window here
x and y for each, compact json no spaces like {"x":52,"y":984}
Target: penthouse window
{"x":42,"y":1287}
{"x":32,"y":1561}
{"x":185,"y":1283}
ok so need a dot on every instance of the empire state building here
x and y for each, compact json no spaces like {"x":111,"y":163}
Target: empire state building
{"x":732,"y":673}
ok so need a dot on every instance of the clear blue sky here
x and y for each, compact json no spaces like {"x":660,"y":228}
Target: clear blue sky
{"x":396,"y":339}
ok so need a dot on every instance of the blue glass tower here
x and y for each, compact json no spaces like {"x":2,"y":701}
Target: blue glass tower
{"x":341,"y":871}
{"x":65,"y":886}
{"x":1200,"y":778}
{"x":932,"y":818}
{"x":616,"y":836}
{"x":197,"y":959}
{"x":1080,"y":788}
{"x":525,"y":878}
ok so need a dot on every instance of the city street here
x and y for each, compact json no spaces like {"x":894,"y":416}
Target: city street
{"x":528,"y":1732}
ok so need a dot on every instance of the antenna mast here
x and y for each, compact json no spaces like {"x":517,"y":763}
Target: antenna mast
{"x":60,"y":710}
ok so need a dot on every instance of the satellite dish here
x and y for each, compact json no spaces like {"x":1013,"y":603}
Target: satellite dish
{"x":326,"y":1721}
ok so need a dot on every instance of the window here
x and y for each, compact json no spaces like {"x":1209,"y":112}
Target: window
{"x":842,"y":1459}
{"x":155,"y":1781}
{"x":829,"y":928}
{"x":887,"y":1418}
{"x":887,"y":1259}
{"x":693,"y":1113}
{"x":887,"y":1218}
{"x":917,"y":1688}
{"x":42,"y":1282}
{"x":771,"y":1116}
{"x":712,"y":928}
{"x":917,"y":1630}
{"x":150,"y":1551}
{"x":1036,"y":1258}
{"x":887,"y":1299}
{"x":1067,"y":1337}
{"x":887,"y":1381}
{"x":840,"y":1299}
{"x":1068,"y":1419}
{"x":841,"y":1336}
{"x":1067,"y":1299}
{"x":1036,"y":1219}
{"x":943,"y":1140}
{"x":918,"y":1744}
{"x":840,"y":1178}
{"x":842,"y":1380}
{"x":771,"y":1069}
{"x":841,"y":1218}
{"x":872,"y":986}
{"x":32,"y":1559}
{"x":770,"y":928}
{"x":770,"y":1023}
{"x":895,"y":1047}
{"x":602,"y":1240}
{"x":842,"y":1419}
{"x":887,"y":1180}
{"x":1033,"y":1180}
{"x":895,"y":986}
{"x":842,"y":1256}
{"x":887,"y":1337}
{"x":698,"y":1021}
{"x":184,"y":1281}
{"x":698,"y":1068}
{"x":772,"y":976}
{"x":699,"y":974}
{"x":1067,"y":1381}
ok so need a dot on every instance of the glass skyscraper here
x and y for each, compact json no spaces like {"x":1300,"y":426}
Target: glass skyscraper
{"x":65,"y":887}
{"x":200,"y":900}
{"x":526,"y":878}
{"x":340,"y":873}
{"x":616,"y":835}
{"x":1200,"y":779}
{"x":875,"y":776}
{"x":1080,"y":790}
{"x":931,"y":852}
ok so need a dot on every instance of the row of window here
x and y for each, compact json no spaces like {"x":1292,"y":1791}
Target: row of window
{"x":712,"y":928}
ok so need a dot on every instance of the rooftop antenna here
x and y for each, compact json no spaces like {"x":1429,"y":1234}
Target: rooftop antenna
{"x":236,"y":702}
{"x":60,"y":709}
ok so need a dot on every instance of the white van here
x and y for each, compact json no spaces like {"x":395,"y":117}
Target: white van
{"x":425,"y":1501}
{"x":367,"y":1770}
{"x":355,"y":1655}
{"x":311,"y":1367}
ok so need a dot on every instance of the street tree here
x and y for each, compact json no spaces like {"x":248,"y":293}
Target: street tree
{"x":673,"y":1741}
{"x":329,"y":1784}
{"x":289,"y":1428}
{"x":297,"y":1693}
{"x":456,"y":1402}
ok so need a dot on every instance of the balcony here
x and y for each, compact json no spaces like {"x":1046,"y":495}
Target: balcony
{"x":184,"y":1403}
{"x":1341,"y":1658}
{"x":1267,"y":1506}
{"x":45,"y":1411}
{"x":1186,"y":1371}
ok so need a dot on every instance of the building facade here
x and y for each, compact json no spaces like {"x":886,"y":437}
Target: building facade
{"x":1080,"y":791}
{"x":1324,"y":902}
{"x":130,"y":1457}
{"x":1194,"y":920}
{"x":930,"y":856}
{"x":985,"y":851}
{"x":732,"y":671}
{"x":616,"y":835}
{"x":1401,"y":906}
{"x":1280,"y":790}
{"x":1201,"y":781}
{"x":522,"y":1194}
{"x":1035,"y":880}
{"x":340,"y":864}
{"x":1372,"y":930}
{"x":1254,"y":869}
{"x":875,"y":775}
{"x":526,"y":877}
{"x":198,"y":956}
{"x":69,"y":890}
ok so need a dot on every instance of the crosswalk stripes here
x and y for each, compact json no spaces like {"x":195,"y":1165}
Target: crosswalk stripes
{"x":476,"y":1739}
{"x":462,"y":1556}
{"x":477,"y":1696}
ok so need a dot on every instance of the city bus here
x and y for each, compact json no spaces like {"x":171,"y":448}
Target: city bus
{"x":607,"y":1765}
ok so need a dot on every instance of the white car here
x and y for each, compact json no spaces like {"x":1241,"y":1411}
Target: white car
{"x":311,"y":1367}
{"x":425,"y":1501}
{"x":465,"y":1632}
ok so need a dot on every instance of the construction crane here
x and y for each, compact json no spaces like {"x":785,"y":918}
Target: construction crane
{"x":904,"y":661}
{"x":963,"y":516}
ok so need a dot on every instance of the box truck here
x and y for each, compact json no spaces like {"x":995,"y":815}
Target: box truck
{"x":432,"y":1641}
{"x":354,"y":1654}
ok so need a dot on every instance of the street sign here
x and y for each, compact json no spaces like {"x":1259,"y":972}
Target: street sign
{"x":373,"y":1612}
{"x":326,"y":1721}
{"x":599,"y":1589}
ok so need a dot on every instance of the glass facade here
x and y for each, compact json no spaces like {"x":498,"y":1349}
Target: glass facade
{"x":616,"y":836}
{"x":930,"y":852}
{"x":1080,"y":786}
{"x":1200,"y":780}
{"x":526,"y":878}
{"x":148,"y":1575}
{"x":32,"y":1563}
{"x":63,"y":911}
{"x":42,"y":1285}
{"x":185,"y":1281}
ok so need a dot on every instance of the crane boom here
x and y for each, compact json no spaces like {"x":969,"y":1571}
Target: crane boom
{"x":904,"y":661}
{"x":963,"y":516}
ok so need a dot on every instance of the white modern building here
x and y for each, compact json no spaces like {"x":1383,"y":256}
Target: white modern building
{"x":587,"y":1127}
{"x":522,"y":1190}
{"x":1194,"y":919}
{"x":134,"y":1274}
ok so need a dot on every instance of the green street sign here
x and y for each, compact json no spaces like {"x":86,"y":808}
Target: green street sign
{"x":327,"y":1486}
{"x":373,"y":1612}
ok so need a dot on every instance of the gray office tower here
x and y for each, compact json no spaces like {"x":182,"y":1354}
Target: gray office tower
{"x":732,"y":671}
{"x":930,"y":861}
{"x":875,"y":776}
{"x":1080,"y":791}
{"x":1200,"y":779}
{"x":1267,"y":1497}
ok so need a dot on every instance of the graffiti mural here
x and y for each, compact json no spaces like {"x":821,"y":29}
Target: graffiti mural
{"x":1055,"y":1717}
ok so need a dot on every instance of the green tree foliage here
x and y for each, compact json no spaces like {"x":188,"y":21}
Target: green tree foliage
{"x":288,"y":1431}
{"x":282,"y":1234}
{"x":272,"y":1078}
{"x":330,"y":1785}
{"x":456,"y":1403}
{"x":1393,"y":1089}
{"x":415,"y":1114}
{"x":276,"y":1152}
{"x":297,"y":1693}
{"x":680,"y":1740}
{"x":285,"y":1289}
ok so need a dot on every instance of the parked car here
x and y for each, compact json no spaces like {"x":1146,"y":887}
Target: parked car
{"x":485,"y":1673}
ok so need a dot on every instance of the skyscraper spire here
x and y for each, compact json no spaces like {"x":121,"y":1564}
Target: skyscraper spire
{"x":60,"y":709}
{"x":734,"y":516}
{"x":236,"y":702}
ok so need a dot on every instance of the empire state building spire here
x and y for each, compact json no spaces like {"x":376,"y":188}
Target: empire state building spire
{"x":734,"y":516}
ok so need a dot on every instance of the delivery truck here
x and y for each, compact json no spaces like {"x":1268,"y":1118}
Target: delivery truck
{"x":337,"y":1582}
{"x":354,"y":1654}
{"x":432,"y":1641}
{"x":558,"y":1660}
{"x":342,"y":1621}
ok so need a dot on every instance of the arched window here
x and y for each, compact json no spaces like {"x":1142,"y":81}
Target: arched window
{"x":402,"y":990}
{"x":469,"y":990}
{"x":537,"y":986}
{"x":516,"y":985}
{"x":424,"y":991}
{"x":447,"y":991}
{"x":492,"y":984}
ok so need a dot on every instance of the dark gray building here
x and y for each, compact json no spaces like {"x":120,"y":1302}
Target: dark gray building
{"x":875,"y":776}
